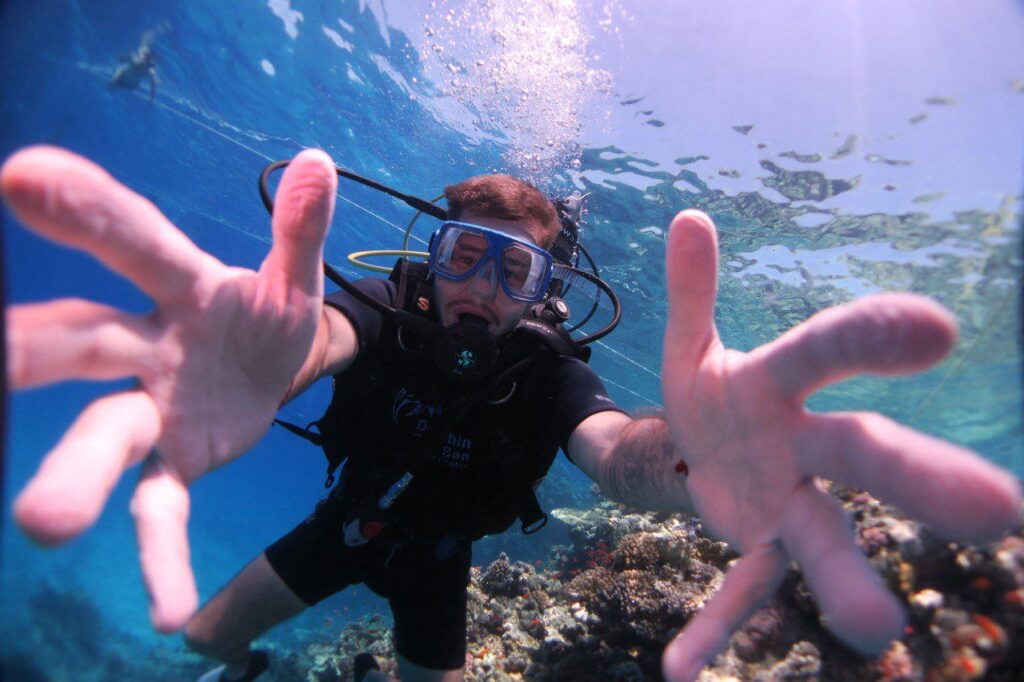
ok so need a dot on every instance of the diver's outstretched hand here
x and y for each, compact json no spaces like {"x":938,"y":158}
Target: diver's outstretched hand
{"x":753,"y":451}
{"x":213,"y":360}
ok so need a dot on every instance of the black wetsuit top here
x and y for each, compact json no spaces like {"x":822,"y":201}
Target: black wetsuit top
{"x":463,"y":477}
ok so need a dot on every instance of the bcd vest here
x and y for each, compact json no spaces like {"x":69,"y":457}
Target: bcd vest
{"x":390,"y":411}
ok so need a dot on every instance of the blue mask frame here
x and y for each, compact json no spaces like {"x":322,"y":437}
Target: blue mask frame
{"x":538,"y":275}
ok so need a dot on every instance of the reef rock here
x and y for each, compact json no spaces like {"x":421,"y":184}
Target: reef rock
{"x":604,"y":607}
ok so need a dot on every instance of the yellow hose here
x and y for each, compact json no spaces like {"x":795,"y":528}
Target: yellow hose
{"x":354,"y":258}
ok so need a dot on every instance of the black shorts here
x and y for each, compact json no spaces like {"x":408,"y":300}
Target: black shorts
{"x":427,"y":596}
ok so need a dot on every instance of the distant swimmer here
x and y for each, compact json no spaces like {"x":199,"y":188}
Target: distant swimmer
{"x":135,"y":68}
{"x":140,"y":65}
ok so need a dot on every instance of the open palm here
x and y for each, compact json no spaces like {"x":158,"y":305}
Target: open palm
{"x":213,"y":361}
{"x":753,"y":452}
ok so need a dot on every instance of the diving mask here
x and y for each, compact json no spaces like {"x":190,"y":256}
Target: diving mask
{"x":459,"y":251}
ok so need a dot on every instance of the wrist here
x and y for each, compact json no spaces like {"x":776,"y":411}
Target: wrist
{"x":643,"y":469}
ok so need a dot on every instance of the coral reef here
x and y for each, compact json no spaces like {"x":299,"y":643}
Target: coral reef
{"x":604,"y":607}
{"x":331,"y":661}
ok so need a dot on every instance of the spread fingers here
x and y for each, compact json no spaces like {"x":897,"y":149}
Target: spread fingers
{"x":303,"y":207}
{"x":691,"y":263}
{"x":956,"y":492}
{"x":885,"y":334}
{"x":161,"y":507}
{"x":68,"y":492}
{"x":854,"y":602}
{"x":73,"y":201}
{"x":74,"y":339}
{"x":750,"y":580}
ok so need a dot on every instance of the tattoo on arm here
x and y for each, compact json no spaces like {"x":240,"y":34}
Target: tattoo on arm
{"x":640,"y":470}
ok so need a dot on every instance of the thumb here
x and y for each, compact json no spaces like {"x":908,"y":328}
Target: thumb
{"x":160,"y":507}
{"x":303,"y":208}
{"x":691,"y":271}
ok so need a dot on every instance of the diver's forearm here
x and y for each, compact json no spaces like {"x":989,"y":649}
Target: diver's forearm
{"x":640,"y":469}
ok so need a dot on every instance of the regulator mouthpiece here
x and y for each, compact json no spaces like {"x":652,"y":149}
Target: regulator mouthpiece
{"x":466,"y":351}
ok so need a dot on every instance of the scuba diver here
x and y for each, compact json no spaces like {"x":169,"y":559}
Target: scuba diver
{"x":140,"y":65}
{"x":450,"y":450}
{"x":446,"y":417}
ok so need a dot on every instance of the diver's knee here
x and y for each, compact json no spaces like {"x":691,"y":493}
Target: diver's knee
{"x":200,"y":637}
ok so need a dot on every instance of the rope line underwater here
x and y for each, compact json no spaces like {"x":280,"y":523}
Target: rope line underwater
{"x":958,"y":364}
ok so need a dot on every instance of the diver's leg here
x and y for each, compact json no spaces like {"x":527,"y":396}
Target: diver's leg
{"x":308,"y":564}
{"x":253,"y":601}
{"x":428,"y":600}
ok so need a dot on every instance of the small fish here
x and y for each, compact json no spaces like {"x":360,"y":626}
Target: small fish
{"x":802,"y":158}
{"x":925,"y":198}
{"x":846,"y":148}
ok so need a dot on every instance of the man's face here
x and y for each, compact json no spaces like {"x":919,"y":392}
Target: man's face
{"x":481,"y":294}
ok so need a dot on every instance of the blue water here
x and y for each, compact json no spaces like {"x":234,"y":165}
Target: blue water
{"x":604,"y":102}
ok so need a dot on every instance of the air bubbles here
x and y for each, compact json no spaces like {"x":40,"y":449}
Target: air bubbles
{"x":600,"y":80}
{"x":523,"y":66}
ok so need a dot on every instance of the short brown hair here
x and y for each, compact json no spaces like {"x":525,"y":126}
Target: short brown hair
{"x":505,"y":198}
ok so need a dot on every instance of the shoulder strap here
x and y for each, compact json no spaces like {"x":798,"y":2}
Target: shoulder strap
{"x":319,"y":433}
{"x":415,"y":292}
{"x":522,"y":470}
{"x":411,"y":279}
